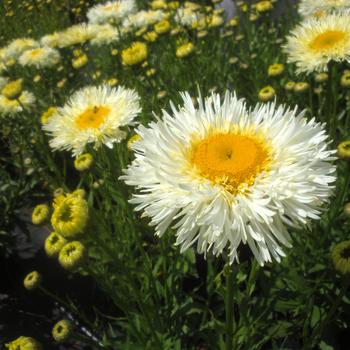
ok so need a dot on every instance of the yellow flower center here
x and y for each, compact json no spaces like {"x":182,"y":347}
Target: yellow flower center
{"x":327,"y":40}
{"x":92,"y":117}
{"x":231,"y":159}
{"x":36,"y":52}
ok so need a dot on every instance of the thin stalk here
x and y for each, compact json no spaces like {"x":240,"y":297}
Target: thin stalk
{"x":230,"y":320}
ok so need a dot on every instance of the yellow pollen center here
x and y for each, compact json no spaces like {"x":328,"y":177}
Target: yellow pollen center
{"x":327,"y":40}
{"x":92,"y":117}
{"x":36,"y":52}
{"x":231,"y":160}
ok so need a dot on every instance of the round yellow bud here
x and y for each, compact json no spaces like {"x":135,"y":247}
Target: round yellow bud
{"x":301,"y":87}
{"x":79,"y":61}
{"x":267,"y":93}
{"x":345,"y":80}
{"x":53,"y":244}
{"x":162,"y":27}
{"x":289,"y":86}
{"x":347,"y":209}
{"x":32,"y":280}
{"x":184,"y":50}
{"x":344,"y":150}
{"x":321,"y":77}
{"x":13,"y":89}
{"x":72,"y":255}
{"x":135,"y":54}
{"x":62,"y":331}
{"x":83,"y":162}
{"x":58,"y":192}
{"x":275,"y":70}
{"x":114,"y":52}
{"x":70,"y":216}
{"x":24,"y":343}
{"x":341,"y":258}
{"x":151,"y":36}
{"x":40,"y":214}
{"x":263,"y":6}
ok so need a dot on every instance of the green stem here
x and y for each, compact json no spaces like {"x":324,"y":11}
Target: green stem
{"x":229,"y":308}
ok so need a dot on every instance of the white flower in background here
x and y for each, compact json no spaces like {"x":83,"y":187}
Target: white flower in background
{"x":50,"y":40}
{"x":93,"y":115}
{"x":143,"y":19}
{"x":112,"y":11}
{"x":18,"y":46}
{"x":40,"y":57}
{"x":77,"y":34}
{"x":223,"y":175}
{"x":314,"y":43}
{"x":9,"y":107}
{"x":106,"y":35}
{"x":188,"y":16}
{"x":320,"y":8}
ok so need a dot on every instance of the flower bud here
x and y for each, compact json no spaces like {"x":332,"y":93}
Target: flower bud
{"x":40,"y":214}
{"x":341,"y":258}
{"x":53,"y":244}
{"x":72,"y":255}
{"x":344,"y":150}
{"x":32,"y":280}
{"x":83,"y":162}
{"x":13,"y":89}
{"x":24,"y":343}
{"x":62,"y":331}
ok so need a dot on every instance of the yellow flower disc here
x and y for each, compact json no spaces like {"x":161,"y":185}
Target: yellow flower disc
{"x":92,"y":117}
{"x":231,"y":159}
{"x":327,"y":40}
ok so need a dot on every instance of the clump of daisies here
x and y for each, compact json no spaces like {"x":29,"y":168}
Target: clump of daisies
{"x":93,"y":115}
{"x":111,"y":11}
{"x":314,"y":43}
{"x":223,"y":175}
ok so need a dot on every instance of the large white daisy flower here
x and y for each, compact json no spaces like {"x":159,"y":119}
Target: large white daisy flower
{"x":188,"y":16}
{"x":77,"y":34}
{"x":225,"y":175}
{"x":111,"y":11}
{"x":40,"y":57}
{"x":17,"y":46}
{"x":314,"y":43}
{"x":319,"y":8}
{"x":93,"y":115}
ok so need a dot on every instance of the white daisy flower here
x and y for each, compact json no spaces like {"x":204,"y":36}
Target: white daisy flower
{"x":143,"y":19}
{"x":10,"y":107}
{"x":93,"y":115}
{"x":77,"y":34}
{"x":319,"y":8}
{"x":50,"y":40}
{"x":314,"y":43}
{"x":40,"y":57}
{"x":106,"y":35}
{"x":225,"y":175}
{"x":112,"y":11}
{"x":18,"y":46}
{"x":188,"y":16}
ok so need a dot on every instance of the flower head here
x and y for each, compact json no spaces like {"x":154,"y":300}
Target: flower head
{"x":263,"y":6}
{"x":72,"y":255}
{"x":226,"y":175}
{"x":345,"y":80}
{"x":10,"y":107}
{"x":40,"y":214}
{"x":62,"y":331}
{"x":111,"y":11}
{"x":135,"y":54}
{"x":40,"y":57}
{"x":344,"y":150}
{"x":70,"y":215}
{"x":275,"y":70}
{"x":13,"y":89}
{"x":184,"y":50}
{"x":320,"y":8}
{"x":267,"y":93}
{"x":24,"y":343}
{"x":53,"y":244}
{"x":341,"y":258}
{"x":314,"y":43}
{"x":83,"y":162}
{"x":32,"y":280}
{"x":93,"y":115}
